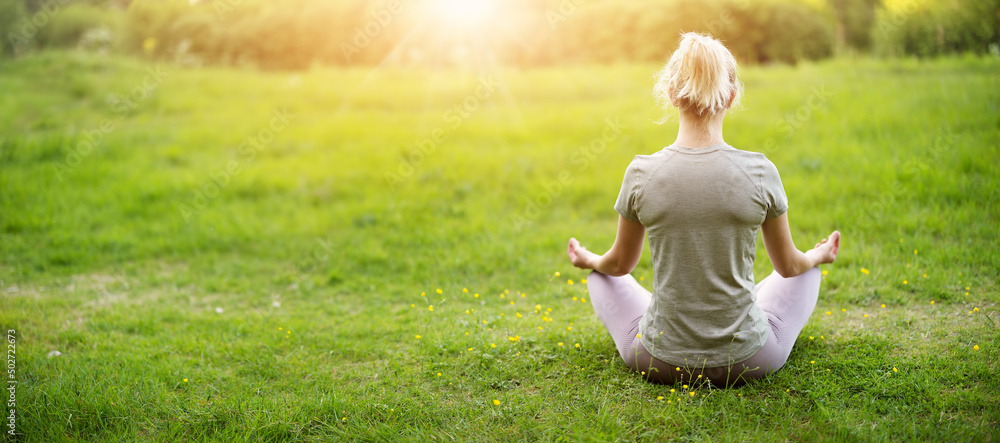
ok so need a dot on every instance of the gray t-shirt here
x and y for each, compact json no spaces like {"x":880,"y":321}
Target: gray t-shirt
{"x":702,"y":209}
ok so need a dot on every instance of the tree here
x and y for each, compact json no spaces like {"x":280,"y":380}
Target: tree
{"x":855,"y":20}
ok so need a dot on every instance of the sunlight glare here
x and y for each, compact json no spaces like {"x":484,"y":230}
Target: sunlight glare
{"x":469,"y":13}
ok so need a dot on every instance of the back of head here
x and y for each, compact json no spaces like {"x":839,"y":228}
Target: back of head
{"x":701,"y":77}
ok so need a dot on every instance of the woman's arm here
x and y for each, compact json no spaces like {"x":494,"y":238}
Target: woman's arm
{"x":787,"y":260}
{"x":620,"y":259}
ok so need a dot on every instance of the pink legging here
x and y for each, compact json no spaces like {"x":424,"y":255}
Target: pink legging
{"x":621,"y":302}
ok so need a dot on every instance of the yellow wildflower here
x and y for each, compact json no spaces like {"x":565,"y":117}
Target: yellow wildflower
{"x":569,"y":282}
{"x":465,"y":290}
{"x":864,"y":271}
{"x":418,"y":337}
{"x":496,"y":402}
{"x":438,"y":290}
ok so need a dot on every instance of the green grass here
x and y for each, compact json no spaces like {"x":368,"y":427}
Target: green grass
{"x":319,"y":264}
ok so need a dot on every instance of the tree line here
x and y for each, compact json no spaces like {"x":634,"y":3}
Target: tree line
{"x":293,"y":34}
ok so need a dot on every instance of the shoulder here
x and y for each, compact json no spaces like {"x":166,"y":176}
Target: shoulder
{"x":646,"y":163}
{"x":754,"y":163}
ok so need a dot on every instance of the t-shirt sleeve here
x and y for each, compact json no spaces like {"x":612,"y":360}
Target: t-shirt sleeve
{"x":629,"y":193}
{"x":774,"y":191}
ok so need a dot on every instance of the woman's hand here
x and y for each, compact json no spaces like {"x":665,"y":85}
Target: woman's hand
{"x":579,"y":256}
{"x":826,"y":250}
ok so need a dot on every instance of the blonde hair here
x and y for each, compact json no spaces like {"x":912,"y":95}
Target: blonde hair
{"x":700,"y":77}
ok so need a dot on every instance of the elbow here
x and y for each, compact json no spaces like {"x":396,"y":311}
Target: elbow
{"x":789,"y":270}
{"x":785,"y":270}
{"x":619,"y":269}
{"x":613,"y":267}
{"x":618,"y":272}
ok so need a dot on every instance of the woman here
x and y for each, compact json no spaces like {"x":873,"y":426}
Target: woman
{"x":703,"y":203}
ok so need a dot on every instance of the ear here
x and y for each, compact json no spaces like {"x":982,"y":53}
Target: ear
{"x":673,"y":100}
{"x":732,"y":97}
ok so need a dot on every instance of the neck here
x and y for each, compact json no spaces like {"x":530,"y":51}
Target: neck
{"x":699,"y":132}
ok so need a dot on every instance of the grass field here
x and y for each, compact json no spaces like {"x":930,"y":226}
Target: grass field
{"x":380,"y":254}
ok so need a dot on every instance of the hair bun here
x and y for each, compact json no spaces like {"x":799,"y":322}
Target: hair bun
{"x":700,"y":77}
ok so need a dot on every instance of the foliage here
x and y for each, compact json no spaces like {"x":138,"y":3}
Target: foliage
{"x":12,"y":12}
{"x":68,"y":26}
{"x":299,"y":33}
{"x":855,"y":19}
{"x":936,"y":28}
